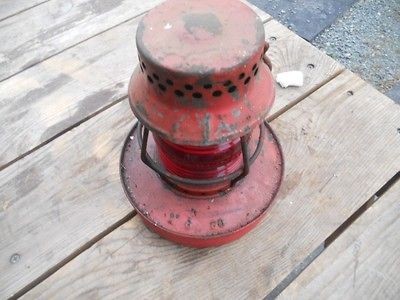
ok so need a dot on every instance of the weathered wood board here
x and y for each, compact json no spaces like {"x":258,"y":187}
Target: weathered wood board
{"x":289,"y":52}
{"x":10,"y":8}
{"x":329,"y":175}
{"x":63,"y":195}
{"x":64,"y":90}
{"x":106,"y":90}
{"x":45,"y":30}
{"x":17,"y":186}
{"x":363,"y":263}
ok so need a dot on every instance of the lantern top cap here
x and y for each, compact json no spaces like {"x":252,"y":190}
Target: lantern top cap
{"x":192,"y":37}
{"x":201,"y":78}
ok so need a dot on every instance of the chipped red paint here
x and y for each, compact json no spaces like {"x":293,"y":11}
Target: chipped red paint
{"x":202,"y":87}
{"x":198,"y":57}
{"x":202,"y":222}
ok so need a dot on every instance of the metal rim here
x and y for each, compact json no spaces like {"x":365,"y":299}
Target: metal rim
{"x":245,"y":228}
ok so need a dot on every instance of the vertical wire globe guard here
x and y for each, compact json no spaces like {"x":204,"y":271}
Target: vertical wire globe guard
{"x":201,"y":166}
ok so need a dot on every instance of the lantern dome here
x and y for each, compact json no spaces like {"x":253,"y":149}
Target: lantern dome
{"x":201,"y":79}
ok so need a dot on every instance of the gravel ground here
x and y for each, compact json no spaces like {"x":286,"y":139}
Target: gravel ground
{"x":366,"y":39}
{"x":306,"y":17}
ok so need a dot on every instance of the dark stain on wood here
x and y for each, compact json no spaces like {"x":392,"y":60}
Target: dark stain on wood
{"x":87,"y":106}
{"x":82,"y":13}
{"x":23,"y":183}
{"x":38,"y":93}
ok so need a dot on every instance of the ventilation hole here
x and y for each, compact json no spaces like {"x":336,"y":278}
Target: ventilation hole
{"x":149,"y":78}
{"x":143,"y":65}
{"x":141,"y":68}
{"x":227,"y":83}
{"x":162,"y":87}
{"x":188,"y":87}
{"x":179,"y":93}
{"x":232,"y":89}
{"x":241,"y":76}
{"x":247,"y":80}
{"x":170,"y":82}
{"x":197,"y":95}
{"x":255,"y":72}
{"x":254,"y":67}
{"x":155,"y":76}
{"x":207,"y":86}
{"x":217,"y":93}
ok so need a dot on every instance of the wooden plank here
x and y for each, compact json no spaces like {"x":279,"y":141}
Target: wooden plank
{"x":339,"y":148}
{"x":38,"y":33}
{"x":289,"y":52}
{"x":58,"y":198}
{"x":49,"y":98}
{"x":363,"y":263}
{"x":63,"y":174}
{"x":57,"y":25}
{"x":10,"y":8}
{"x":31,"y":180}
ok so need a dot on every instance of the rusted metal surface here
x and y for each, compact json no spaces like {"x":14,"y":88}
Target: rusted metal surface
{"x":216,"y":178}
{"x":202,"y":222}
{"x":206,"y":167}
{"x":196,"y":57}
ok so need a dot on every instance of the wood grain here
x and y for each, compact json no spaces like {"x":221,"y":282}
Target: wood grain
{"x":58,"y":198}
{"x":339,"y":149}
{"x":49,"y":98}
{"x":289,"y":52}
{"x":10,"y":8}
{"x":38,"y":33}
{"x":363,"y":263}
{"x":80,"y":165}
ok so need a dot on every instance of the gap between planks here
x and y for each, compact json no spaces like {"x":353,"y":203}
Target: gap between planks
{"x":126,"y":218}
{"x":256,"y":9}
{"x":119,"y":99}
{"x":305,"y":95}
{"x":74,"y":254}
{"x":131,"y":215}
{"x":104,"y":233}
{"x":297,"y":270}
{"x":62,"y":132}
{"x":269,"y":118}
{"x":22,"y":10}
{"x":73,"y":45}
{"x":380,"y":191}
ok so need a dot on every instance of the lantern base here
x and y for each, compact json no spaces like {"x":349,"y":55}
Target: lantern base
{"x":207,"y":222}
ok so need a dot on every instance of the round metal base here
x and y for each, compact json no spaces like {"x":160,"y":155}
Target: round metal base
{"x":206,"y":222}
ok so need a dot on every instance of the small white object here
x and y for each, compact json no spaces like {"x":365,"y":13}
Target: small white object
{"x":168,"y":26}
{"x":291,"y":78}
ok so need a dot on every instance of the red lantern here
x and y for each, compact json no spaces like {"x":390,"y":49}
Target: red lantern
{"x":201,"y":166}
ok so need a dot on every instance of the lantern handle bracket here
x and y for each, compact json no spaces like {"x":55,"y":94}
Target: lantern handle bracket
{"x":235,"y":177}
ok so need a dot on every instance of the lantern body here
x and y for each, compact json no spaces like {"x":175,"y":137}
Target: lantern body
{"x":206,"y":221}
{"x":202,"y":90}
